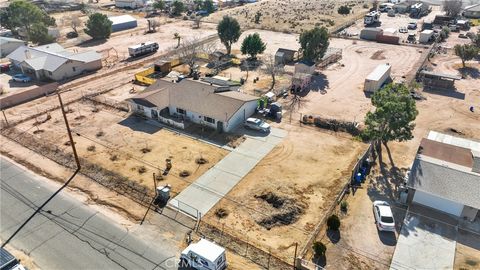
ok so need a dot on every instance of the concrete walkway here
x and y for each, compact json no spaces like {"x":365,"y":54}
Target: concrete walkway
{"x":424,"y":244}
{"x":208,"y":189}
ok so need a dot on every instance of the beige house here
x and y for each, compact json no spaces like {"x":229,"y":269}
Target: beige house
{"x":53,"y":62}
{"x":190,"y":101}
{"x":8,"y":45}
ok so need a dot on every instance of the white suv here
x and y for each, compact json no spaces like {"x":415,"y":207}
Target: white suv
{"x":383,"y":216}
{"x":257,"y":124}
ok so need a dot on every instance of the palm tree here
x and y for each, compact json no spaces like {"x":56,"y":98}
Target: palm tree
{"x":177,"y":37}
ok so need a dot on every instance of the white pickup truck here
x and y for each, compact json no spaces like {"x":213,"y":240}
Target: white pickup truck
{"x":203,"y":255}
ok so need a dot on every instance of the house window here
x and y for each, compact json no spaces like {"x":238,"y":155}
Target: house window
{"x":181,"y":111}
{"x":74,"y":69}
{"x":209,"y":120}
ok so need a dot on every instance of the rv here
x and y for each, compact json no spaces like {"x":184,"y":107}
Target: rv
{"x":372,"y":18}
{"x":142,"y":49}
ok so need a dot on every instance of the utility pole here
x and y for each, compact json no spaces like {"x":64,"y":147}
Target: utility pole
{"x":4,"y":116}
{"x":72,"y":143}
{"x":154,"y":189}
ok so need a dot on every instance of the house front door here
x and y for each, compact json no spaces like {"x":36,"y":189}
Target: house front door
{"x":219,"y":126}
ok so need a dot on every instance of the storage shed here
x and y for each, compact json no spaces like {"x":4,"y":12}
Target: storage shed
{"x":284,"y":56}
{"x":370,"y":33}
{"x":425,"y":36}
{"x":433,"y":80}
{"x":377,"y":78}
{"x":122,"y":22}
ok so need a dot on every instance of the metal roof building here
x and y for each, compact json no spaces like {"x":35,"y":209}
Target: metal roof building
{"x":122,"y":22}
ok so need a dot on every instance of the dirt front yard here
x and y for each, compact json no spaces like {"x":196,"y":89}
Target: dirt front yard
{"x":282,"y":199}
{"x":127,"y":145}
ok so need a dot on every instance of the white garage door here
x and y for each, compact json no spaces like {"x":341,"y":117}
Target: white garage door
{"x":438,"y":203}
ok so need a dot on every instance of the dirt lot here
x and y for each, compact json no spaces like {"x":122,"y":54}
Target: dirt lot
{"x":291,"y":185}
{"x":467,"y":256}
{"x":289,"y":15}
{"x":128,"y":145}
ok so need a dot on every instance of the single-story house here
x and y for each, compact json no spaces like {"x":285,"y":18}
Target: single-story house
{"x":53,"y":62}
{"x":446,"y":176}
{"x":202,"y":103}
{"x":8,"y":45}
{"x":472,"y":11}
{"x":284,"y":56}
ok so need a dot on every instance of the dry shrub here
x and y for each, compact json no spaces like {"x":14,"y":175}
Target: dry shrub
{"x":221,"y":213}
{"x":38,"y":131}
{"x":113,"y":157}
{"x":91,"y":148}
{"x":100,"y":134}
{"x":142,"y":170}
{"x":201,"y":160}
{"x":184,"y":173}
{"x":146,"y":150}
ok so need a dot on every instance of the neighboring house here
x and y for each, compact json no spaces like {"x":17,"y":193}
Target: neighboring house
{"x":446,"y":176}
{"x":194,"y":101}
{"x":133,"y":4}
{"x":8,"y":45}
{"x":53,"y":62}
{"x":284,"y":56}
{"x":122,"y":22}
{"x":472,"y":11}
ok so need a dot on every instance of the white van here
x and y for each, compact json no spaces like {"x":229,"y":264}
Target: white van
{"x":204,"y":255}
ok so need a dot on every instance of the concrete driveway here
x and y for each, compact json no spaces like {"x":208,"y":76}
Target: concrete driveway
{"x":208,"y":189}
{"x":424,"y":244}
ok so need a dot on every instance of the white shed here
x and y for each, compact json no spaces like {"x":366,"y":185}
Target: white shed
{"x":377,"y":78}
{"x":425,"y":36}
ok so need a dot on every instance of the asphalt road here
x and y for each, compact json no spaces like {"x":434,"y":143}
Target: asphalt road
{"x":69,"y":234}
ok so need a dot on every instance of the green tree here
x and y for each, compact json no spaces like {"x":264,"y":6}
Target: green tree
{"x":392,"y":120}
{"x":197,"y":4}
{"x":159,"y":4}
{"x":344,"y":10}
{"x":314,"y":43}
{"x":333,"y":223}
{"x":39,"y":34}
{"x":178,"y":8}
{"x":208,"y":6}
{"x":229,"y":32}
{"x":466,"y":52}
{"x":253,"y":45}
{"x":98,"y":26}
{"x":319,"y":249}
{"x":24,"y":15}
{"x":476,"y":40}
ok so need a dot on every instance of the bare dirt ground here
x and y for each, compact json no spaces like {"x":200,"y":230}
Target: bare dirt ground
{"x":128,"y":145}
{"x":290,"y":16}
{"x":467,"y":256}
{"x":292,"y":184}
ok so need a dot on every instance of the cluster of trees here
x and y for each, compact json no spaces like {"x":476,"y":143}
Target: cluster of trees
{"x":452,"y":7}
{"x":23,"y":16}
{"x":178,"y":6}
{"x":344,"y":10}
{"x":98,"y":26}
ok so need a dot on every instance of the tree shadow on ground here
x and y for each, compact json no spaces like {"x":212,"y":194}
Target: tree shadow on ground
{"x":92,"y":42}
{"x":319,"y":83}
{"x":334,"y":236}
{"x":471,"y":72}
{"x":320,"y":260}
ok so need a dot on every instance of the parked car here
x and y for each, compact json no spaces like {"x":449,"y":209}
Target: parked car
{"x":383,"y":216}
{"x":72,"y":34}
{"x":403,"y":29}
{"x":412,"y":25}
{"x":257,"y":124}
{"x":411,"y":37}
{"x":21,"y":78}
{"x":462,"y":35}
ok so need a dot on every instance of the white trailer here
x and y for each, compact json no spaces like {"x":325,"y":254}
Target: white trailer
{"x":203,"y":255}
{"x":131,"y":4}
{"x":377,"y":78}
{"x":371,"y":18}
{"x":425,"y":36}
{"x":142,"y":49}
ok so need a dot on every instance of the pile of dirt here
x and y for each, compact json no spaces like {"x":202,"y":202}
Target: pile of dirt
{"x":378,"y":55}
{"x":278,"y":210}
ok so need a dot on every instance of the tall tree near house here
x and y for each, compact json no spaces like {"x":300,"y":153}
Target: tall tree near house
{"x":452,"y":7}
{"x":392,"y":120}
{"x":253,"y":45}
{"x":229,"y":32}
{"x":159,"y":4}
{"x":24,"y":15}
{"x":98,"y":26}
{"x":39,"y":34}
{"x":272,"y":69}
{"x":72,"y":21}
{"x":208,"y":6}
{"x":190,"y":49}
{"x":466,"y":52}
{"x":314,"y":43}
{"x":178,"y":8}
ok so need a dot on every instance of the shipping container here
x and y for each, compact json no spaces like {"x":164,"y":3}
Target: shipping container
{"x":370,"y":33}
{"x":377,"y":78}
{"x":389,"y":39}
{"x":123,"y":22}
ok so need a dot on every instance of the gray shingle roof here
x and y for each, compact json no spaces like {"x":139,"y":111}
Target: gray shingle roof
{"x":49,"y":57}
{"x":446,"y":180}
{"x":194,"y":96}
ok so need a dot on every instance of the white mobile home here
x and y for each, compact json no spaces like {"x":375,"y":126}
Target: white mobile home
{"x":377,"y":78}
